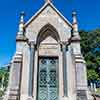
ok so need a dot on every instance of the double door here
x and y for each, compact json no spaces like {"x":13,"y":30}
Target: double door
{"x":48,"y":78}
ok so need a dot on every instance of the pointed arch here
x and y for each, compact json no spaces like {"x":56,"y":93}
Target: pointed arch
{"x":47,"y":30}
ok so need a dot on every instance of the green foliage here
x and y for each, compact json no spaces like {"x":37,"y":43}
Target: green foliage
{"x":1,"y":93}
{"x":4,"y":77}
{"x":4,"y":74}
{"x":90,"y":43}
{"x":92,"y":75}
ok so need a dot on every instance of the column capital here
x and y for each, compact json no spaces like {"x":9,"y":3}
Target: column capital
{"x":32,"y":44}
{"x":64,"y":43}
{"x":64,"y":46}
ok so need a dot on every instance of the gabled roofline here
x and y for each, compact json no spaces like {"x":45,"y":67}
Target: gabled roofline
{"x":39,"y":12}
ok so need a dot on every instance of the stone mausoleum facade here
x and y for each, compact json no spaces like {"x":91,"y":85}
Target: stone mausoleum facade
{"x":48,"y":64}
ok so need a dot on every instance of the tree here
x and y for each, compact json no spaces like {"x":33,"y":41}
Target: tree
{"x":92,"y":75}
{"x":4,"y":74}
{"x":90,"y":43}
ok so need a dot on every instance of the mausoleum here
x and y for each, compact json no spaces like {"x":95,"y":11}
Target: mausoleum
{"x":48,"y":63}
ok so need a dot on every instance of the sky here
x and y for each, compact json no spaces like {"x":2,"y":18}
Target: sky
{"x":88,"y":13}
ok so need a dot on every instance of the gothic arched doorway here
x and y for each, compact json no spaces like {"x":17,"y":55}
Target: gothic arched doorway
{"x":48,"y":63}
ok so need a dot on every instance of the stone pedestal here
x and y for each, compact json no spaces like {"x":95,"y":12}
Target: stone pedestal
{"x":81,"y":79}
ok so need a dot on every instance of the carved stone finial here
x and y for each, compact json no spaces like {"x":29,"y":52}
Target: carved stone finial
{"x":75,"y":23}
{"x":74,"y":15}
{"x":21,"y":23}
{"x":22,"y":14}
{"x":76,"y":36}
{"x":48,"y":1}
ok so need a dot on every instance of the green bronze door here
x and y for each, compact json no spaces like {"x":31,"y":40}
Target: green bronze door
{"x":48,"y":78}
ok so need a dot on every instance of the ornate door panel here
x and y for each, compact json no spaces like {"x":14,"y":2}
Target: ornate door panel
{"x":48,"y":79}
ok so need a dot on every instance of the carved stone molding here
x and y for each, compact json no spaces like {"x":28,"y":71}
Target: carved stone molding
{"x":21,"y":38}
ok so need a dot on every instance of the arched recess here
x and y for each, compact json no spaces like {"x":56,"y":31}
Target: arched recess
{"x":46,"y":31}
{"x":48,"y":64}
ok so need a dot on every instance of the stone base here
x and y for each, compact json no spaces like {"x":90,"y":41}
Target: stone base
{"x":81,"y":95}
{"x":89,"y":95}
{"x":84,"y":95}
{"x":26,"y":97}
{"x":29,"y":98}
{"x":12,"y":94}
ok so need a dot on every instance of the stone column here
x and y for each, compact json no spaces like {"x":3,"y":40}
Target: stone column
{"x":31,"y":68}
{"x":35,"y":75}
{"x":15,"y":77}
{"x":60,"y":74}
{"x":64,"y":50}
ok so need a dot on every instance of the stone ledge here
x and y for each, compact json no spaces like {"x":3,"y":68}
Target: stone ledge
{"x":21,"y":38}
{"x":79,"y":58}
{"x":17,"y":57}
{"x":75,"y":39}
{"x":12,"y":94}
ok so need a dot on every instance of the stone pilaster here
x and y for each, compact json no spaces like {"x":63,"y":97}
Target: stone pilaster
{"x":15,"y":78}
